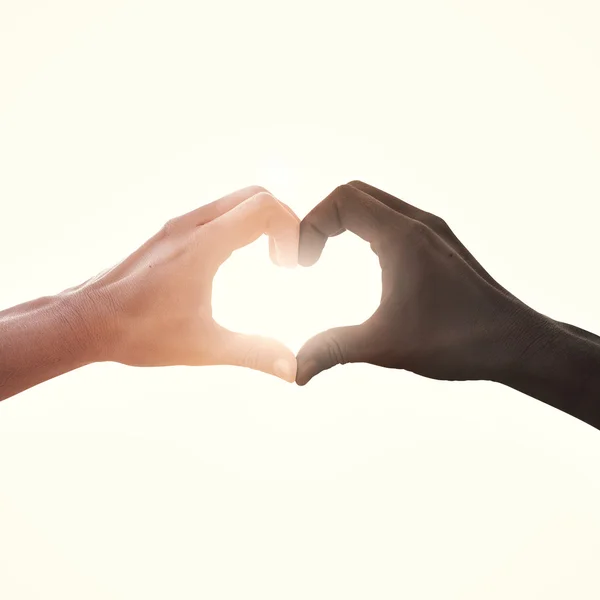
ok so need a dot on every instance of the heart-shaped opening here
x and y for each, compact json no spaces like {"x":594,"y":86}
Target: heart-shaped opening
{"x":251,"y":295}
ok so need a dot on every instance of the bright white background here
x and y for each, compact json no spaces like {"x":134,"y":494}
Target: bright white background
{"x":219,"y":483}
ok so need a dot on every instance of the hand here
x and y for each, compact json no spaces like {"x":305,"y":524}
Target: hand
{"x":441,"y":314}
{"x":155,"y":306}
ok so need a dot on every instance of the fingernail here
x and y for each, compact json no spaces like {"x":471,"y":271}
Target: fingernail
{"x":285,"y":369}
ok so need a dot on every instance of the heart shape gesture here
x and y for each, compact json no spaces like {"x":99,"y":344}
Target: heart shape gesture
{"x":252,"y":295}
{"x":441,"y":314}
{"x":439,"y":308}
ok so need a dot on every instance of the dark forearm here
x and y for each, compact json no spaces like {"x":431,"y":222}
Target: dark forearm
{"x":580,"y":332}
{"x":42,"y":339}
{"x":560,"y":365}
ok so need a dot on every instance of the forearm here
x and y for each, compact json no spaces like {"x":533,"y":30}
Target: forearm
{"x":44,"y":338}
{"x":558,"y":364}
{"x":580,"y":332}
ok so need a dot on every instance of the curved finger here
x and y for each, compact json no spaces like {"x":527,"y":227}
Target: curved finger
{"x":394,"y":203}
{"x":273,"y":254}
{"x":207,"y":213}
{"x":437,"y":224}
{"x":346,"y":208}
{"x":260,"y":214}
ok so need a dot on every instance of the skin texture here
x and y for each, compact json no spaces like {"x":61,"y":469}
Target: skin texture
{"x":154,"y":308}
{"x":441,"y":314}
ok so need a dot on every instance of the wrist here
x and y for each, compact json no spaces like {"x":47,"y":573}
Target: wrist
{"x":87,"y":315}
{"x":554,"y":364}
{"x":527,"y":337}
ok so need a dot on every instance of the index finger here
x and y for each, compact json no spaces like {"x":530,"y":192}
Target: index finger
{"x":346,"y":208}
{"x":204,"y":214}
{"x":262,"y":213}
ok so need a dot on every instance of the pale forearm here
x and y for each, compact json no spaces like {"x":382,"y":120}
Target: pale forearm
{"x":44,"y":338}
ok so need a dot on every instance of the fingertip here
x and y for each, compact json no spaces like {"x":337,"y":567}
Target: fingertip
{"x":254,"y":352}
{"x":285,"y":369}
{"x":306,"y":260}
{"x":302,"y":380}
{"x":306,"y":371}
{"x":287,"y":255}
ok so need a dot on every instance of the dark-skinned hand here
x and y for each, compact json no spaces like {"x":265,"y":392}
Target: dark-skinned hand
{"x":441,"y":314}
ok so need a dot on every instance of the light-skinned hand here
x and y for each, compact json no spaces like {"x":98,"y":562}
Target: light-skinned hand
{"x":154,"y":308}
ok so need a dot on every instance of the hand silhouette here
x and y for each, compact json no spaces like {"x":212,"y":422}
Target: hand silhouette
{"x":441,"y":314}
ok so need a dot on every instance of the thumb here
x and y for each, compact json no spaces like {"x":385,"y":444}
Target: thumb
{"x":325,"y":350}
{"x":255,"y":352}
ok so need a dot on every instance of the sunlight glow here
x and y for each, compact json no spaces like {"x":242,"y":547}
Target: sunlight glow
{"x":292,"y":305}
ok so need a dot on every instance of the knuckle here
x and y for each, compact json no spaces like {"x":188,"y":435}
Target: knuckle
{"x":356,"y":183}
{"x":346,"y":195}
{"x":342,"y":191}
{"x":418,"y":233}
{"x":434,"y":222}
{"x":442,"y":224}
{"x":418,"y":229}
{"x":252,"y":190}
{"x":264,"y":200}
{"x":170,"y":227}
